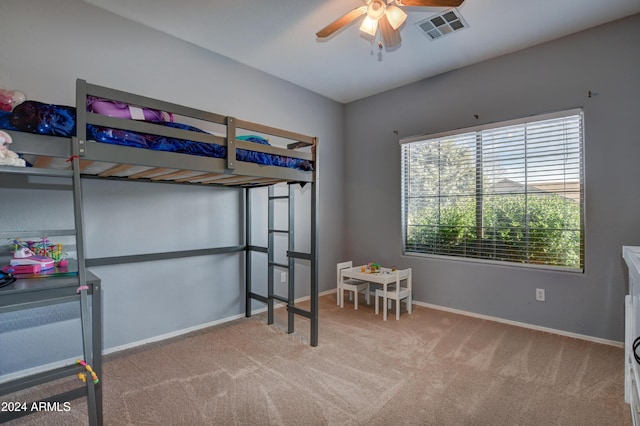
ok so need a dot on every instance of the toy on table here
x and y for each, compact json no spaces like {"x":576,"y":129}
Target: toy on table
{"x":43,"y":247}
{"x":8,"y":157}
{"x":22,"y":269}
{"x":83,"y":376}
{"x":34,"y":257}
{"x":26,"y":257}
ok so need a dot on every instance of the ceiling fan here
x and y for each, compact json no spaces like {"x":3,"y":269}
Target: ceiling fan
{"x":383,"y":14}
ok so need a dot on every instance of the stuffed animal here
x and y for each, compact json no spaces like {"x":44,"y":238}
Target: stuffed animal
{"x":10,"y":98}
{"x":8,"y":157}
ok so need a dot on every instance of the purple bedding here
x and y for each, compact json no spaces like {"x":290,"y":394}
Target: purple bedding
{"x":59,"y":120}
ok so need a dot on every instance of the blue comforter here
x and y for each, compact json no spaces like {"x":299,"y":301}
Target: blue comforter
{"x":59,"y":120}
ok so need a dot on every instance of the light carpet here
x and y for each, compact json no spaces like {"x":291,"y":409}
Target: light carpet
{"x":429,"y":368}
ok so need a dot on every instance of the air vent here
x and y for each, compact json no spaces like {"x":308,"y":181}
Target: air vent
{"x":438,"y":26}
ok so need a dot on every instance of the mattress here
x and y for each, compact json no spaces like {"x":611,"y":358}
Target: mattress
{"x":60,"y":120}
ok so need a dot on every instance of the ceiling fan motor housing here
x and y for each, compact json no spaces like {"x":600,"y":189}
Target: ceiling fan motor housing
{"x":376,"y":9}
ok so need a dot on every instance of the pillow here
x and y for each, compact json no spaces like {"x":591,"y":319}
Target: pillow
{"x":45,"y":119}
{"x":122,"y":110}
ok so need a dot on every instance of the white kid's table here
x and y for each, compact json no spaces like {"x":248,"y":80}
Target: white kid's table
{"x":384,"y":277}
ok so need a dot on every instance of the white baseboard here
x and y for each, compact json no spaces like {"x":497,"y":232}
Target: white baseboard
{"x":62,"y":363}
{"x":177,"y":333}
{"x":518,"y":324}
{"x":523,"y":324}
{"x":39,"y":369}
{"x":301,"y":299}
{"x":172,"y":334}
{"x":35,"y":370}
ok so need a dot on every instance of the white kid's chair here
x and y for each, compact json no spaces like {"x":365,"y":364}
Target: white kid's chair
{"x":353,"y":286}
{"x":397,"y":292}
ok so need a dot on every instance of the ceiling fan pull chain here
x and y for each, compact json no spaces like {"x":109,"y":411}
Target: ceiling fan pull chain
{"x":380,"y":46}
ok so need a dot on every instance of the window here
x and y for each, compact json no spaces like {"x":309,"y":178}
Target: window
{"x":509,"y":192}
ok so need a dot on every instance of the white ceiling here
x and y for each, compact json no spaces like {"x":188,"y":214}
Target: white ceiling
{"x":278,"y":36}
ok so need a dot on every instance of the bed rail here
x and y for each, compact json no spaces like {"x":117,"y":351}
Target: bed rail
{"x":105,"y":160}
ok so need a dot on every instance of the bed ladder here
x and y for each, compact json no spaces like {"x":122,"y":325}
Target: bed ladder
{"x":90,"y":328}
{"x":292,"y":255}
{"x":78,"y":149}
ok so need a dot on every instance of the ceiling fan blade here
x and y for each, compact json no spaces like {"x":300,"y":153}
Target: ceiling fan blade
{"x":390,"y":36}
{"x":342,"y":22}
{"x":430,"y":3}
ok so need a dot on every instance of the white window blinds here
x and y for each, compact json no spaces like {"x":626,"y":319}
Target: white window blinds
{"x":510,"y":191}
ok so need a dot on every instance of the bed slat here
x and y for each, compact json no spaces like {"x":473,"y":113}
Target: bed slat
{"x":116,"y":169}
{"x":43,"y":162}
{"x":170,"y":176}
{"x":153,"y":171}
{"x":199,"y":178}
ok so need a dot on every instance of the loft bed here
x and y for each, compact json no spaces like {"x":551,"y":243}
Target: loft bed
{"x":58,"y":139}
{"x":204,"y":149}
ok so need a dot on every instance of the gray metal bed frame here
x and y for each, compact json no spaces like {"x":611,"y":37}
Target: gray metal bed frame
{"x":86,"y":158}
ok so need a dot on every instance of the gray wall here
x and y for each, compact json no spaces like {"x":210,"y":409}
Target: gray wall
{"x":549,"y":77}
{"x":45,"y":46}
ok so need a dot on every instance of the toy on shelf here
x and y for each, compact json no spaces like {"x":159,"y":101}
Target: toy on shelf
{"x":43,"y":247}
{"x":22,"y":269}
{"x":8,"y":157}
{"x":35,"y":257}
{"x":25,"y":257}
{"x":10,"y":98}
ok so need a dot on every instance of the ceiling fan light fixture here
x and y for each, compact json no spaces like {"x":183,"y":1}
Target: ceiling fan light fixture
{"x":376,"y":9}
{"x":396,"y":16}
{"x":369,"y":26}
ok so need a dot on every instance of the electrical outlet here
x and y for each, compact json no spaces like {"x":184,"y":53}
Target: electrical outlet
{"x":540,"y":296}
{"x":283,"y":277}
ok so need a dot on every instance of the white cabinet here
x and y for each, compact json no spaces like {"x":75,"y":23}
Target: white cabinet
{"x":631,"y":256}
